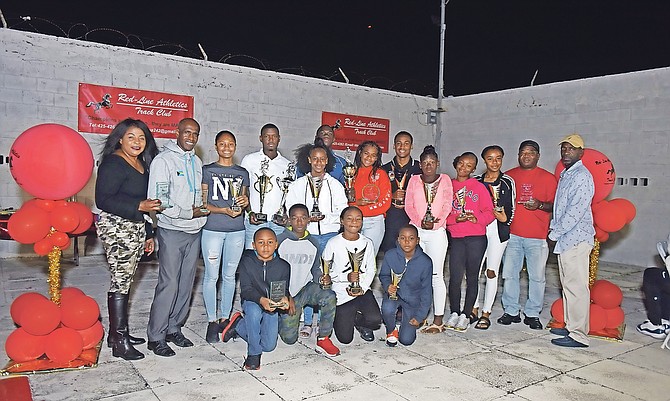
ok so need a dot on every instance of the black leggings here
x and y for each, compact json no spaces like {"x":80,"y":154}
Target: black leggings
{"x":465,"y":257}
{"x":656,"y":288}
{"x":361,"y":311}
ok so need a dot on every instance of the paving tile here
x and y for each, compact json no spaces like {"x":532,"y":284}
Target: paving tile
{"x":144,"y":395}
{"x":361,"y":392}
{"x":628,"y":379}
{"x":648,"y":357}
{"x":565,"y":387}
{"x":239,"y":386}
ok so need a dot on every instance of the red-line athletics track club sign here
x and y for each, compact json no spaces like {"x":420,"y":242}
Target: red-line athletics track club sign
{"x":102,"y":107}
{"x":351,"y":130}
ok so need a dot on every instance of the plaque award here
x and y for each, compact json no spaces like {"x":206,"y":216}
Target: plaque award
{"x":349,"y":173}
{"x":235,"y":188}
{"x":281,"y":217}
{"x":460,"y":198}
{"x":277,"y":292}
{"x":495,"y":196}
{"x":325,"y":268}
{"x":395,"y":280}
{"x":205,"y":199}
{"x":315,"y":184}
{"x":163,"y":194}
{"x":263,"y":185}
{"x":356,"y":260}
{"x":429,"y":191}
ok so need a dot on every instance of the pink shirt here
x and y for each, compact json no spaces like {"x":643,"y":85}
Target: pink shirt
{"x":478,"y":201}
{"x":415,"y":201}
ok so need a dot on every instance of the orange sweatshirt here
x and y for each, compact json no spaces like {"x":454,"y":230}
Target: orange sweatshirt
{"x":379,"y":184}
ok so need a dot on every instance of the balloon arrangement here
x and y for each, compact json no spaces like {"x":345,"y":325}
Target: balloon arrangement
{"x":51,"y":162}
{"x":61,"y":332}
{"x":608,"y":217}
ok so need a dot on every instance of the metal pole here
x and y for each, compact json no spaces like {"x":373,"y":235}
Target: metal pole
{"x":440,"y":94}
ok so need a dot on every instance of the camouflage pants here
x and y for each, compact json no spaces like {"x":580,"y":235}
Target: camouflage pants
{"x":123,"y":241}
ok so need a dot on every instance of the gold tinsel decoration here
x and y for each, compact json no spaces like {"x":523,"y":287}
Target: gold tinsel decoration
{"x":593,"y":263}
{"x":54,"y":275}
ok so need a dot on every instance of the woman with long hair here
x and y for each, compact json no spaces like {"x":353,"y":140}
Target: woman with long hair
{"x":124,"y":225}
{"x":428,"y":203}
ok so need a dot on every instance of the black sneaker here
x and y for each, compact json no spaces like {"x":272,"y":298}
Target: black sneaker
{"x":229,"y":331}
{"x":178,"y":339}
{"x":213,"y":330}
{"x":532,"y":322}
{"x":366,"y":334}
{"x":252,"y":362}
{"x":508,"y":319}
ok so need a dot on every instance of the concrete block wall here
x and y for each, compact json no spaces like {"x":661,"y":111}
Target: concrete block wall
{"x":626,"y":117}
{"x":39,"y":77}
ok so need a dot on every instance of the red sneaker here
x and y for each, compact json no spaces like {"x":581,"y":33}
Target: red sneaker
{"x":392,"y":338}
{"x":327,"y":347}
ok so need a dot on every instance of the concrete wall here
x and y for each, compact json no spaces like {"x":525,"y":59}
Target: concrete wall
{"x":624,"y":116}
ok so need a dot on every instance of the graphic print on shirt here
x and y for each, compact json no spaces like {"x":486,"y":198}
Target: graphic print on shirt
{"x":460,"y":197}
{"x":224,"y":186}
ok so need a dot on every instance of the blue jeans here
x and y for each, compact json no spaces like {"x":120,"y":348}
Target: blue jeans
{"x":407,"y":332}
{"x":250,"y":230}
{"x":535,"y":251}
{"x":220,"y":250}
{"x":323,"y":239}
{"x":258,"y":328}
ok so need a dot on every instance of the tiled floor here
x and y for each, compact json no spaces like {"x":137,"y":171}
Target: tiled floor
{"x":504,"y":362}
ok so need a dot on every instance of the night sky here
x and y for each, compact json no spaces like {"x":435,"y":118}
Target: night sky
{"x":491,"y":45}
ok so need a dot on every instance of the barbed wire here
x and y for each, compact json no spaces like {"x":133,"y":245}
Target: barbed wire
{"x":115,"y":37}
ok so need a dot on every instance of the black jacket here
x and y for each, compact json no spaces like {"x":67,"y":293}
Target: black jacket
{"x":256,"y":275}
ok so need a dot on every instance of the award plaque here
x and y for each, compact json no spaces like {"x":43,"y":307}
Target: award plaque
{"x":163,"y":194}
{"x":315,"y":184}
{"x":235,"y":191}
{"x":395,"y":280}
{"x":325,"y":268}
{"x":495,"y":196}
{"x":356,"y":260}
{"x":277,"y":292}
{"x":371,"y":193}
{"x":281,"y":217}
{"x":263,"y":185}
{"x":525,"y":193}
{"x":205,"y":200}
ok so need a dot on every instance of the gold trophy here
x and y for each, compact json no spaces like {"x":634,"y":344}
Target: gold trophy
{"x":235,"y":189}
{"x":263,"y":185}
{"x":460,"y":198}
{"x":356,"y":260}
{"x":398,"y":202}
{"x":429,"y":190}
{"x":325,"y":267}
{"x":395,"y":280}
{"x":281,"y":217}
{"x":349,"y":172}
{"x":495,"y":195}
{"x":315,"y":184}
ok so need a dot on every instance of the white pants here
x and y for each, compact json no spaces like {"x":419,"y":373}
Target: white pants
{"x":373,"y":228}
{"x":434,"y":244}
{"x":573,"y":269}
{"x":492,"y":257}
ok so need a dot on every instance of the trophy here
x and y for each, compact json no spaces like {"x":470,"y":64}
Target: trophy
{"x":526,"y":193}
{"x":281,"y":217}
{"x":349,"y":172}
{"x":277,"y":292}
{"x":205,"y":200}
{"x":315,"y":184}
{"x":163,"y":194}
{"x":263,"y":185}
{"x":460,"y":198}
{"x":325,"y":267}
{"x":429,"y":190}
{"x":356,"y":260}
{"x":495,"y":195}
{"x":400,"y":201}
{"x":395,"y":280}
{"x":235,"y":189}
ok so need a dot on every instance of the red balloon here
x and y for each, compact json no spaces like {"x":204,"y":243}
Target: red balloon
{"x":557,"y":310}
{"x":79,"y":313}
{"x":70,"y":292}
{"x":59,"y":239}
{"x":23,"y":302}
{"x":51,"y":161}
{"x":606,"y":294}
{"x":601,"y":169}
{"x":40,"y":318}
{"x":43,"y":247}
{"x":85,"y":217}
{"x":601,"y":235}
{"x":92,"y":335}
{"x":615,"y":317}
{"x":64,"y":218}
{"x":45,"y":204}
{"x":29,"y":226}
{"x":608,"y":217}
{"x":597,"y":318}
{"x":64,"y":345}
{"x":626,"y":207}
{"x":22,"y":346}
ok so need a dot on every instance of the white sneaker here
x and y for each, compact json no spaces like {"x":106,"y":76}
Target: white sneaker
{"x":463,"y":323}
{"x":652,"y":330}
{"x":452,"y":321}
{"x":666,"y":323}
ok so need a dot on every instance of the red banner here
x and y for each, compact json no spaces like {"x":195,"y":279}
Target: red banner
{"x":102,"y":107}
{"x":356,"y":129}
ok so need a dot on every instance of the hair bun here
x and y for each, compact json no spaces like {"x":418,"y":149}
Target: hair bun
{"x":429,"y":148}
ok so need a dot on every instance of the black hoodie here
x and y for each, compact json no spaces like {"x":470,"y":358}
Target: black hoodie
{"x":256,"y":275}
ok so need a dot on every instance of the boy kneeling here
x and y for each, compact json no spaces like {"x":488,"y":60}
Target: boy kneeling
{"x":406,"y":276}
{"x":261,"y":273}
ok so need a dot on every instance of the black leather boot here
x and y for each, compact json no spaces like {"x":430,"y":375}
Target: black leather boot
{"x":117,"y":304}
